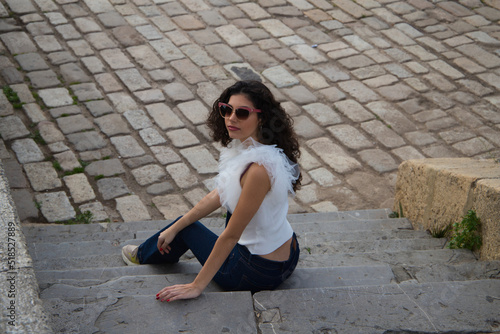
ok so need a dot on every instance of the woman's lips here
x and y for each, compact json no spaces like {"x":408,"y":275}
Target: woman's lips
{"x":232,"y":128}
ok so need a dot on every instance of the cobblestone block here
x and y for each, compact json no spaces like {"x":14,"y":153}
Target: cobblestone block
{"x":300,"y":94}
{"x":131,"y":208}
{"x":108,"y":82}
{"x":163,"y":116}
{"x":165,"y":155}
{"x":34,"y":113}
{"x":137,"y":119}
{"x":55,"y":206}
{"x":68,"y":31}
{"x":420,"y":138}
{"x":379,"y":160}
{"x":314,"y":80}
{"x":322,"y":113}
{"x":67,"y":160}
{"x":324,"y":178}
{"x":43,"y":79}
{"x":31,"y":62}
{"x":18,"y":43}
{"x":233,"y":36}
{"x":55,"y":97}
{"x":112,"y":125}
{"x":112,"y":187}
{"x":359,"y":91}
{"x":42,"y":176}
{"x":72,"y":124}
{"x":223,"y":54}
{"x":201,"y":159}
{"x":392,"y":116}
{"x":480,"y":55}
{"x":182,"y":175}
{"x":182,"y":138}
{"x":127,"y":146}
{"x":27,"y":150}
{"x":407,"y":153}
{"x":151,"y":137}
{"x":116,"y":59}
{"x":65,"y":111}
{"x":12,"y":127}
{"x":86,"y":141}
{"x":353,"y":110}
{"x":149,"y":174}
{"x":350,"y":136}
{"x":195,"y":111}
{"x":72,"y":73}
{"x":473,"y":146}
{"x":62,"y":57}
{"x":79,"y":187}
{"x":14,"y":173}
{"x":122,"y":102}
{"x":383,"y":134}
{"x":23,"y":92}
{"x":145,"y":56}
{"x":133,"y":79}
{"x":106,"y":168}
{"x":276,"y":28}
{"x":167,"y":50}
{"x":305,"y":128}
{"x":81,"y":48}
{"x":171,"y":206}
{"x":97,"y":209}
{"x":189,"y":71}
{"x":280,"y":77}
{"x":333,"y":155}
{"x":178,"y":92}
{"x":98,"y":108}
{"x":160,"y":188}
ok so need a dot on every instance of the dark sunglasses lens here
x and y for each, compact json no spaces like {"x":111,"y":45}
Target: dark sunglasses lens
{"x":225,"y":110}
{"x":242,"y":113}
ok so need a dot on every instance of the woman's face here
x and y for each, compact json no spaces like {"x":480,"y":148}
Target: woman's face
{"x":242,"y":129}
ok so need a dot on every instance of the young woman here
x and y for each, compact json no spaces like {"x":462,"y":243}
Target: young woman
{"x":258,"y":167}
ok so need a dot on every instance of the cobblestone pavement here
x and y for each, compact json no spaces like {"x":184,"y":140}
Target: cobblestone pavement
{"x":114,"y":94}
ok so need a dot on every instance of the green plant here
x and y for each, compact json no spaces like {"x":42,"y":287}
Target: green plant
{"x":57,"y":165}
{"x":465,"y":233}
{"x":308,"y":249}
{"x":75,"y":170}
{"x":98,"y":177}
{"x":37,"y":137}
{"x":441,"y":232}
{"x":81,"y":218}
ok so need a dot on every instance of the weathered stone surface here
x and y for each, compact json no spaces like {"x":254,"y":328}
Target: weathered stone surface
{"x":79,"y":188}
{"x":112,"y":187}
{"x":27,"y":151}
{"x":12,"y":127}
{"x":55,"y":207}
{"x":443,"y":190}
{"x":131,"y":208}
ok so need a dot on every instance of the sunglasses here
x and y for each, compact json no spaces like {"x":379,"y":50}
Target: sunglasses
{"x":242,"y":113}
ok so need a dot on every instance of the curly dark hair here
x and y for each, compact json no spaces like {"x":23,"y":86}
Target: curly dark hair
{"x":276,"y":126}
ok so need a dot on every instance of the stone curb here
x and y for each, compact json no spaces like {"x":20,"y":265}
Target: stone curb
{"x":22,"y":309}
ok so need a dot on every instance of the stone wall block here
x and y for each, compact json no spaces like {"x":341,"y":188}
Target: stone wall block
{"x":433,"y":193}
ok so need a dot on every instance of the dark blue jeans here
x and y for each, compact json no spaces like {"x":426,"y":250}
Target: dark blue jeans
{"x":240,"y":271}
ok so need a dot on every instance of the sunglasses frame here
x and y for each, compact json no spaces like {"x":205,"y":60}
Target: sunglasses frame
{"x":235,"y":111}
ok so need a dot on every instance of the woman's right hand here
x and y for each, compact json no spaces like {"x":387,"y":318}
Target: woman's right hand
{"x":164,"y":241}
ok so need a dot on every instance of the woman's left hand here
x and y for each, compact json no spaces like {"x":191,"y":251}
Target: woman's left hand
{"x":179,"y":291}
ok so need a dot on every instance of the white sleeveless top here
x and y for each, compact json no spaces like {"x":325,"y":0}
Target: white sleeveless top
{"x":269,"y":227}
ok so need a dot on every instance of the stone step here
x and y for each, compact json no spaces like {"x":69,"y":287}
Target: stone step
{"x":41,"y":250}
{"x":104,"y":268}
{"x":451,"y":307}
{"x":151,"y":284}
{"x":111,"y":231}
{"x":213,"y":312}
{"x":459,"y":307}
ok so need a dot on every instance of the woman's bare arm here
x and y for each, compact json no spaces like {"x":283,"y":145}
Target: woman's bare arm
{"x":207,"y":205}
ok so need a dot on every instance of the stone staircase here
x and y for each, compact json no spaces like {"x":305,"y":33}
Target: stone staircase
{"x":359,"y":272}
